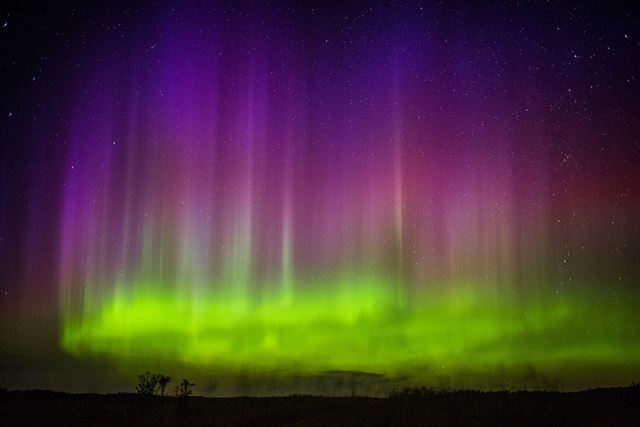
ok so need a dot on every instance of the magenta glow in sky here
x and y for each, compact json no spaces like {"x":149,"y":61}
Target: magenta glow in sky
{"x":339,"y":159}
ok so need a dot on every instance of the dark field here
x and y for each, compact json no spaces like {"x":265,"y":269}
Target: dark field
{"x":613,"y":406}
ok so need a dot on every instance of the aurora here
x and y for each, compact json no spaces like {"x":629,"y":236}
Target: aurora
{"x":270,"y":193}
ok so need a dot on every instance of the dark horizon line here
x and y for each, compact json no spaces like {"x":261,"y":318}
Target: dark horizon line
{"x":419,"y":391}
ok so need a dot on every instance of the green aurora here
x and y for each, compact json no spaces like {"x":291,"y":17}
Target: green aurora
{"x":450,"y":333}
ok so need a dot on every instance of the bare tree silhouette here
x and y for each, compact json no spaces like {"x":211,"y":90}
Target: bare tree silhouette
{"x":163,"y":380}
{"x":147,"y":383}
{"x":151,"y":383}
{"x":185,"y":388}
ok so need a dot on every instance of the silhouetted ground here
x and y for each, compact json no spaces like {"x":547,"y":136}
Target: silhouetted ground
{"x":613,"y":406}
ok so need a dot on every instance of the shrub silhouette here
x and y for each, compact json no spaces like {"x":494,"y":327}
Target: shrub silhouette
{"x":185,"y":388}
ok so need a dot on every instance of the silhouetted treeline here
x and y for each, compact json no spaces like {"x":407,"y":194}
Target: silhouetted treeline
{"x":154,"y":384}
{"x":614,"y":406}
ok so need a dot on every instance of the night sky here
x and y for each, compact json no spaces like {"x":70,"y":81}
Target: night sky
{"x":292,"y":196}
